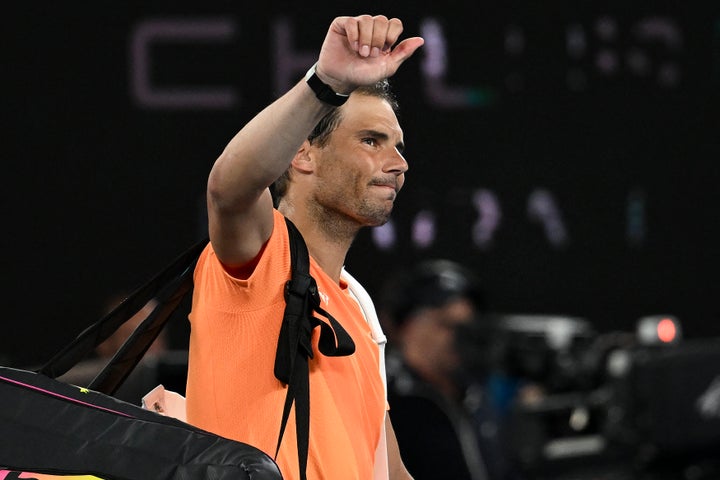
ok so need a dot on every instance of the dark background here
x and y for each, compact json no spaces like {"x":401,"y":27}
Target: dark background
{"x":609,"y":110}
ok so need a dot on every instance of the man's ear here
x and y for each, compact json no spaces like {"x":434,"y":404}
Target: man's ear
{"x":304,"y":161}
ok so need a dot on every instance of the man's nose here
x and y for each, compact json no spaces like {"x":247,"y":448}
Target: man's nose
{"x":397,"y":163}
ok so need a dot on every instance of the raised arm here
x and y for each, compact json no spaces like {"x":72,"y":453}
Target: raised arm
{"x":356,"y":51}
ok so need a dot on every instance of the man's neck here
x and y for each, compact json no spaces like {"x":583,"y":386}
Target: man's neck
{"x":328,"y":240}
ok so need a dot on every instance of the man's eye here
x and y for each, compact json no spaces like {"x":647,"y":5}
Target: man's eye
{"x":370,"y":141}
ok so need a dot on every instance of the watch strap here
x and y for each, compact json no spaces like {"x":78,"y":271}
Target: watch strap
{"x":323,"y":91}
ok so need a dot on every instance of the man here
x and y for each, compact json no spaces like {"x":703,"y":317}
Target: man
{"x":433,"y":375}
{"x":342,"y":179}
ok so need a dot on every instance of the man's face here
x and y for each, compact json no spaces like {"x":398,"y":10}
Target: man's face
{"x":434,"y":329}
{"x":361,"y":169}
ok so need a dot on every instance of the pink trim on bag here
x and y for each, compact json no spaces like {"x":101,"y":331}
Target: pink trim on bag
{"x":70,"y":399}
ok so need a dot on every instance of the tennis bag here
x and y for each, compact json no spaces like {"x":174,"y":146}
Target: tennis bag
{"x":54,"y":429}
{"x":49,"y":427}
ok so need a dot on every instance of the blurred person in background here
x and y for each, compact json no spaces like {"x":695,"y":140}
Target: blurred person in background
{"x":445,"y":420}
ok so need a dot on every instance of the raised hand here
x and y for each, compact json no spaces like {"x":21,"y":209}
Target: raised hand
{"x":362,"y":50}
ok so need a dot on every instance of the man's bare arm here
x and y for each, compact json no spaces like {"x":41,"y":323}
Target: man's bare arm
{"x":239,"y":202}
{"x":396,"y":467}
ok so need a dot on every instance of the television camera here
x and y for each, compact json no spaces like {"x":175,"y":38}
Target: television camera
{"x":621,"y":405}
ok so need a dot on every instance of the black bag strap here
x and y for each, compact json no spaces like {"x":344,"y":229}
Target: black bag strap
{"x":168,"y":287}
{"x":294,"y":348}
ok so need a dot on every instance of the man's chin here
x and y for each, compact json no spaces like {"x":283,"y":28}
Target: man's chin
{"x":377,"y":215}
{"x":378,"y":221}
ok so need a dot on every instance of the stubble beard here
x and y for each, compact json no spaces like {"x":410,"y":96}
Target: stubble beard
{"x":375,"y":215}
{"x":341,"y":218}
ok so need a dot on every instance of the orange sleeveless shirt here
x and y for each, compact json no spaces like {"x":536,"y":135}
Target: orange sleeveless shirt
{"x":232,"y":391}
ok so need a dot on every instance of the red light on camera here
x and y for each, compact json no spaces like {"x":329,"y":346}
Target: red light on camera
{"x":659,"y":330}
{"x":666,"y":330}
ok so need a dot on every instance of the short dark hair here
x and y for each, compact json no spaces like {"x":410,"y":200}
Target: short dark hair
{"x":324,"y":128}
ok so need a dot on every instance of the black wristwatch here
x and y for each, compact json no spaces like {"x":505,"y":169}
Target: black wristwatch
{"x":322,"y":91}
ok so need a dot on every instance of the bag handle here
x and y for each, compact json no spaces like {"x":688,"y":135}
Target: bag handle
{"x":168,"y":287}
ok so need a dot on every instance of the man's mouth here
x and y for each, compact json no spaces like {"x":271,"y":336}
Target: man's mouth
{"x":391,"y":185}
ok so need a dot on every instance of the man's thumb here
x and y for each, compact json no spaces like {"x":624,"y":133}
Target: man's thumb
{"x":405,"y":49}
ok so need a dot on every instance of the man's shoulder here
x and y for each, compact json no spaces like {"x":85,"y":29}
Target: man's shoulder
{"x":273,"y":259}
